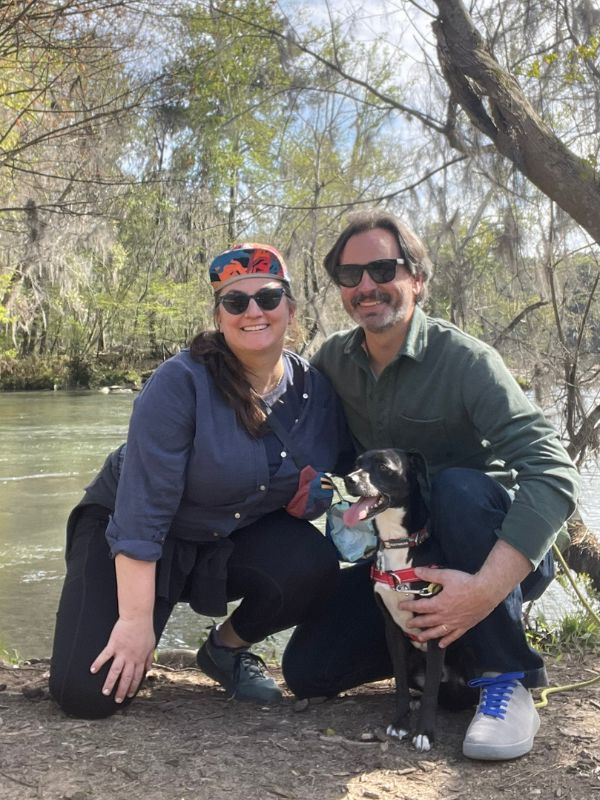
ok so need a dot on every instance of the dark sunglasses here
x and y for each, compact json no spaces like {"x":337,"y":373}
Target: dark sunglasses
{"x":381,"y":271}
{"x":266,"y":299}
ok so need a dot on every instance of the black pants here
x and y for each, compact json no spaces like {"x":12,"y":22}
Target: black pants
{"x":345,"y":645}
{"x":281,"y":567}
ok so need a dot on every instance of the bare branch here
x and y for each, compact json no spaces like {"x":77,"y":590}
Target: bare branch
{"x":368,"y":200}
{"x":514,"y":322}
{"x":390,"y":101}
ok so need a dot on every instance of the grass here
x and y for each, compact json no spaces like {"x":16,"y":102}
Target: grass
{"x":10,"y":656}
{"x":576,"y":631}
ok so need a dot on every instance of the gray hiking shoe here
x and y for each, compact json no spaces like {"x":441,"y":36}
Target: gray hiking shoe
{"x":242,"y":674}
{"x":506,"y":720}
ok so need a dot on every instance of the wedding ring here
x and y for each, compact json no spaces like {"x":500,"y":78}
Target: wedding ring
{"x":445,"y":628}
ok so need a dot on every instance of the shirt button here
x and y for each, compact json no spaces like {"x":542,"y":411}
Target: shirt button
{"x":305,"y":396}
{"x":215,"y":534}
{"x":283,"y":454}
{"x":237,"y":515}
{"x":262,"y":487}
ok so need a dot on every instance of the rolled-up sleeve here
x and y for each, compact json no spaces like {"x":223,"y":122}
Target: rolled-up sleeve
{"x":152,"y":479}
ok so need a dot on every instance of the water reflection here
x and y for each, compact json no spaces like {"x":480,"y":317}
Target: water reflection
{"x":52,"y":446}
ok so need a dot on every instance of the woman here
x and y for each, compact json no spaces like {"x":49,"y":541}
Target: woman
{"x":222,"y":438}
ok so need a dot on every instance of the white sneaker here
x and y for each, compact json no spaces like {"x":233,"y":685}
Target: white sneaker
{"x":506,"y":721}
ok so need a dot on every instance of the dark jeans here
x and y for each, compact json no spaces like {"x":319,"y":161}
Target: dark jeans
{"x":345,"y":646}
{"x":282,"y":567}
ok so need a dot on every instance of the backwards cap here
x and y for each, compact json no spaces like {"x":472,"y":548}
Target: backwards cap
{"x":247,"y":260}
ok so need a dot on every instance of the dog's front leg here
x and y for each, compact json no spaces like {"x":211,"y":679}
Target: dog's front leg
{"x":434,"y":665}
{"x":397,"y":645}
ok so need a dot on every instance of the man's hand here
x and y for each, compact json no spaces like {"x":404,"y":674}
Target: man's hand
{"x":465,"y":599}
{"x":461,"y":604}
{"x":131,"y":647}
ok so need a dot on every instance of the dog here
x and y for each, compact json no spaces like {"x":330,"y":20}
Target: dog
{"x":387,"y":483}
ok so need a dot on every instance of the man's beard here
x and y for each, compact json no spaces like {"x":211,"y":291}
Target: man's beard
{"x":380,"y":321}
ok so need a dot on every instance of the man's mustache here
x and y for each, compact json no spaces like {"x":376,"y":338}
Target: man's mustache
{"x":375,"y":296}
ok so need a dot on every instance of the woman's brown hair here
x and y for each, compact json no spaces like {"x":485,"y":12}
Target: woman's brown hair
{"x":211,"y":349}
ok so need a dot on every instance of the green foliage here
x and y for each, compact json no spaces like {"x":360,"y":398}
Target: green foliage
{"x":230,"y":90}
{"x":575,"y":633}
{"x":7,"y":319}
{"x":61,"y":372}
{"x":10,"y":656}
{"x":569,"y":63}
{"x":79,"y":373}
{"x":248,"y":137}
{"x":116,"y":376}
{"x":34,"y":373}
{"x":468,"y":266}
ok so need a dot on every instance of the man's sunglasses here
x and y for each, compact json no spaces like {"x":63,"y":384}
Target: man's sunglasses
{"x":381,"y":271}
{"x":266,"y":299}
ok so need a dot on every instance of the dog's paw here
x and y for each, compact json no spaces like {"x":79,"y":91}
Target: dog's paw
{"x":396,"y":732}
{"x":421,"y":743}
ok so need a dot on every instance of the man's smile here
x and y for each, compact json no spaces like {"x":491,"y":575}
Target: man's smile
{"x":371,"y":299}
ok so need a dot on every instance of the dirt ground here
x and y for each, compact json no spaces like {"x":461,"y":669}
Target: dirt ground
{"x":182,"y":740}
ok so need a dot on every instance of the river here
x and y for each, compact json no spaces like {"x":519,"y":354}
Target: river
{"x":52,"y":443}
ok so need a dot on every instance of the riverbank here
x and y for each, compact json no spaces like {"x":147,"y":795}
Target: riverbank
{"x":67,"y":372}
{"x":63,"y":372}
{"x":182,"y":740}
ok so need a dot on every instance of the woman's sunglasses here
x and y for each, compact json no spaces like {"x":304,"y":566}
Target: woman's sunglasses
{"x":381,"y":271}
{"x":266,"y":299}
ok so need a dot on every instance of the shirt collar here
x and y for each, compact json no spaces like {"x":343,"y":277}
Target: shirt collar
{"x":414,"y":345}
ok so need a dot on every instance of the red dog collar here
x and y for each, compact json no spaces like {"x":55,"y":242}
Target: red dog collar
{"x":400,"y":580}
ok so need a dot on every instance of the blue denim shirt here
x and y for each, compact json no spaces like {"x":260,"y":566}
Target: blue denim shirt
{"x":191,"y":471}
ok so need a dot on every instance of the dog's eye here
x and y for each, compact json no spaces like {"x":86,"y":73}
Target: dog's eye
{"x":385,"y":469}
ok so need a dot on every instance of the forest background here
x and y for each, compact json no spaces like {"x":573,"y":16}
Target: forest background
{"x":139,"y":138}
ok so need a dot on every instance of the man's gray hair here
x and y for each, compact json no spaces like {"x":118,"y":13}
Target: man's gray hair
{"x":412,"y":249}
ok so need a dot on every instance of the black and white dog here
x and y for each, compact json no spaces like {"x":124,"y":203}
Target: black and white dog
{"x":387,"y":483}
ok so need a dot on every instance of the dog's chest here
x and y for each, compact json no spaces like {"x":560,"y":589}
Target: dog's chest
{"x":390,"y":527}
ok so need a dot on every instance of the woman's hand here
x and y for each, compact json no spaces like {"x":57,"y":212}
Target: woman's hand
{"x":132,"y":640}
{"x":131,"y":647}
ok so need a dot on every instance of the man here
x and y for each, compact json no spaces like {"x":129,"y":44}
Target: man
{"x":501,"y":486}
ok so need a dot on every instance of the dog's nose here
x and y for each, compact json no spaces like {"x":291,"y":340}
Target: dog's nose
{"x":351,"y":481}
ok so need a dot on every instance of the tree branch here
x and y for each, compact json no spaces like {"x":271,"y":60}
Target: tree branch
{"x":514,"y":322}
{"x":390,"y":101}
{"x":496,"y":105}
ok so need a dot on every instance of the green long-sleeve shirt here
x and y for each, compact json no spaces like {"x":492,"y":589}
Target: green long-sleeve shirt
{"x":451,"y":397}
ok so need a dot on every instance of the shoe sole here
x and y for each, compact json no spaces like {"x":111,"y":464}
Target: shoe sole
{"x":488,"y":752}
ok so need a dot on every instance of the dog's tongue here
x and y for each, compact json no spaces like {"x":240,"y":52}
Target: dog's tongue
{"x":358,"y":511}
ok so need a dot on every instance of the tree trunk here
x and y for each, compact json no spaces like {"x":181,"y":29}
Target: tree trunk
{"x":495,"y":103}
{"x":583,"y":554}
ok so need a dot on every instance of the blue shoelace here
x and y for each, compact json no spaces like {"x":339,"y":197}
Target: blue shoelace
{"x":496,"y":693}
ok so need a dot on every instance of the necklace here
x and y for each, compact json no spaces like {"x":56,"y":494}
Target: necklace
{"x":273,"y":384}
